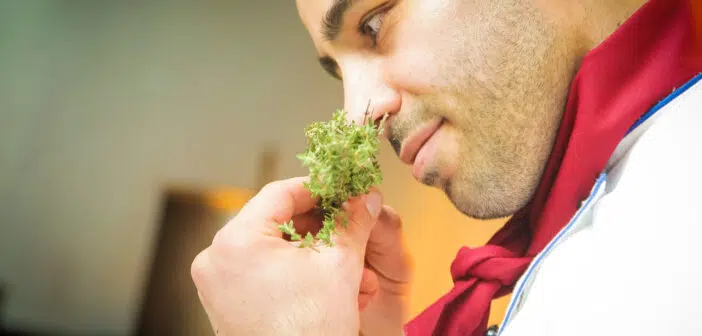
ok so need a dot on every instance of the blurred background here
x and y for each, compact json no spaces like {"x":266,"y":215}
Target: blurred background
{"x":130,"y":131}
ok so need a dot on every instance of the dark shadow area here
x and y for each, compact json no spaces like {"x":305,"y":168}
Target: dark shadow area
{"x":170,"y":304}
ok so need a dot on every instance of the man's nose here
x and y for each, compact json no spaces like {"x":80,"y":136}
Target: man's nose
{"x":368,"y":97}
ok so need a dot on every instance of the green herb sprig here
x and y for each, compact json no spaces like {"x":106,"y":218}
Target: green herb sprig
{"x":342,"y":163}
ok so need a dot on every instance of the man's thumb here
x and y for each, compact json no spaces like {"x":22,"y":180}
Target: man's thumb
{"x":374,"y":203}
{"x":362,"y":213}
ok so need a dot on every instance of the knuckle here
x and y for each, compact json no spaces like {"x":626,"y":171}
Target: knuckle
{"x":268,"y":186}
{"x":230,"y":242}
{"x":198,"y":268}
{"x":226,"y":243}
{"x":272,"y":187}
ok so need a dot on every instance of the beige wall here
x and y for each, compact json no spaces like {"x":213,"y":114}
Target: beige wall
{"x":105,"y":104}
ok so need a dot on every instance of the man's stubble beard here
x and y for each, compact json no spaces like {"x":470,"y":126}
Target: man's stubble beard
{"x":497,"y":160}
{"x":504,"y":129}
{"x":502,"y":105}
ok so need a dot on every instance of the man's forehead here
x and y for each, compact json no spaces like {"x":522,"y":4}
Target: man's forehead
{"x":312,"y":13}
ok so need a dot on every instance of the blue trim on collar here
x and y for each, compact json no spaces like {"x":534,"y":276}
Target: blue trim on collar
{"x":517,"y":295}
{"x":665,"y":101}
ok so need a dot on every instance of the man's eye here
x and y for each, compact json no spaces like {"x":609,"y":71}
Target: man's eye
{"x":371,"y":27}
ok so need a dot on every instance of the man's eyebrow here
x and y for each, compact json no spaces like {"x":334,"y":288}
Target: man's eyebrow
{"x":331,"y":23}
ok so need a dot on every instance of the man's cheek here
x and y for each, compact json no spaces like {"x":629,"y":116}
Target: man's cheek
{"x":413,"y":70}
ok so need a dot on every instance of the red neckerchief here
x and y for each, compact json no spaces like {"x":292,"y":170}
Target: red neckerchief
{"x":642,"y":62}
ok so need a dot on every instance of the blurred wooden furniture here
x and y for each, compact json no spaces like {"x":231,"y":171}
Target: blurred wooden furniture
{"x":189,"y":221}
{"x":190,"y":218}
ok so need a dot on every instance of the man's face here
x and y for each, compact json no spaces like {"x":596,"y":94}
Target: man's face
{"x":474,"y":89}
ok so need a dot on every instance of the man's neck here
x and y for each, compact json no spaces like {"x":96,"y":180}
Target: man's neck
{"x":600,"y":18}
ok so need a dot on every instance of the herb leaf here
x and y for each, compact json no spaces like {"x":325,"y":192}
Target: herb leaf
{"x":342,"y":163}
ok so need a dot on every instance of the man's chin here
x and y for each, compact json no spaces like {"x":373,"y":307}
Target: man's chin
{"x":477,"y":207}
{"x":488,"y":205}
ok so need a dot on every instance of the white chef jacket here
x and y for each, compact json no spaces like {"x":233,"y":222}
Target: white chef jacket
{"x":630,"y":260}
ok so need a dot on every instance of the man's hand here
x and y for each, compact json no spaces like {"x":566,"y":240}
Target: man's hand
{"x":386,"y":278}
{"x":252,"y":281}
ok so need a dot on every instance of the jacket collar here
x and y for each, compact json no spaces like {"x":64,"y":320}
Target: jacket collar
{"x":651,"y":116}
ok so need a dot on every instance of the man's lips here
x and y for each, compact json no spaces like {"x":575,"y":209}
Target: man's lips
{"x":413,"y":143}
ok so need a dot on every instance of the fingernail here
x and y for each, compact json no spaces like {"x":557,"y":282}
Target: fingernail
{"x":373,"y":203}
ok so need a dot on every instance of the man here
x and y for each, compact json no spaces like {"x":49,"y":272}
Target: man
{"x":576,"y":117}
